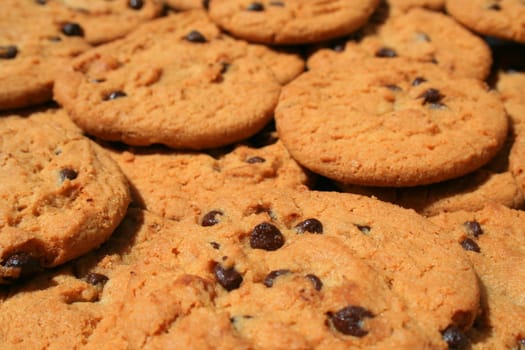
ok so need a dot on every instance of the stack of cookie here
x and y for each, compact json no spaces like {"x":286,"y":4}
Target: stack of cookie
{"x":277,"y":174}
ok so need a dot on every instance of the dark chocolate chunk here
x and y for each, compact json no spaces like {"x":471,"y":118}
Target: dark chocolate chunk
{"x":266,"y":236}
{"x":195,"y":37}
{"x":114,"y":95}
{"x":349,"y":320}
{"x":96,"y":279}
{"x":431,"y":96}
{"x":206,"y":4}
{"x":469,"y":244}
{"x":68,"y":174}
{"x":255,"y":159}
{"x":215,"y":245}
{"x":135,"y":4}
{"x":72,"y":29}
{"x":495,"y":7}
{"x":386,"y":52}
{"x":364,"y":228}
{"x":255,"y":6}
{"x":41,"y":2}
{"x":229,"y":278}
{"x":27,"y":264}
{"x":455,"y":338}
{"x":8,"y":52}
{"x":418,"y":80}
{"x":311,"y":225}
{"x":210,"y":218}
{"x":316,"y":281}
{"x":268,"y":280}
{"x":473,"y":228}
{"x":225,"y":67}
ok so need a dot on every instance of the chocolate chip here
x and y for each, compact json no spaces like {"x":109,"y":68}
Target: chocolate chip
{"x":114,"y":95}
{"x":473,"y":228}
{"x":255,"y":6}
{"x":309,"y":225}
{"x":27,"y":264}
{"x":68,"y":174}
{"x":268,"y":280}
{"x":96,"y":279}
{"x":8,"y":52}
{"x":316,"y":281}
{"x":225,"y":67}
{"x":469,"y":244}
{"x":256,"y":159}
{"x":455,"y":338}
{"x":229,"y":278}
{"x":431,"y":96}
{"x":363,"y":228}
{"x":277,"y":3}
{"x":135,"y":4}
{"x":41,"y":2}
{"x":393,"y":88}
{"x":349,"y":320}
{"x":386,"y":52}
{"x":72,"y":29}
{"x":206,"y":4}
{"x":495,"y":7}
{"x":215,"y":245}
{"x":195,"y":37}
{"x":266,"y":236}
{"x":418,"y":80}
{"x":210,"y":218}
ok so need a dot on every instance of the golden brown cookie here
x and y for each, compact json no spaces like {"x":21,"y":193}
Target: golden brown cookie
{"x":390,"y":122}
{"x":176,"y":81}
{"x":62,"y":196}
{"x":290,"y":21}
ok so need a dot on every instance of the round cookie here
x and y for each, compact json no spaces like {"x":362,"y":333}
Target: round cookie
{"x":290,"y":21}
{"x":62,"y":196}
{"x":405,"y":5}
{"x":420,"y":35}
{"x":184,"y":5}
{"x":389,"y":122}
{"x":100,"y":21}
{"x":493,"y":239}
{"x":504,"y":19}
{"x":33,"y":51}
{"x":176,"y":81}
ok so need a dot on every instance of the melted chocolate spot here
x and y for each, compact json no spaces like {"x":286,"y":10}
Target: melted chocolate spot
{"x":195,"y":37}
{"x":8,"y":52}
{"x":229,"y":279}
{"x":206,"y":4}
{"x":495,"y":7}
{"x":96,"y":279}
{"x":255,"y":6}
{"x":268,"y":280}
{"x":210,"y":218}
{"x":363,"y":228}
{"x":473,"y":228}
{"x":418,"y":80}
{"x":72,"y":29}
{"x":266,"y":236}
{"x":309,"y":225}
{"x":469,"y":244}
{"x":27,"y":264}
{"x":256,"y":159}
{"x":135,"y":4}
{"x":215,"y":245}
{"x":386,"y":52}
{"x":225,"y":67}
{"x":68,"y":174}
{"x":349,"y":320}
{"x":455,"y":338}
{"x":114,"y":95}
{"x":431,"y":96}
{"x":316,"y":281}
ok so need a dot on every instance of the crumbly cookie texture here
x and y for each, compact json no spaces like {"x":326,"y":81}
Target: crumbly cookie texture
{"x":390,"y":122}
{"x":187,"y":4}
{"x":400,"y":6}
{"x":493,"y":239}
{"x":33,"y":51}
{"x":176,"y":81}
{"x":420,"y":35}
{"x":290,"y":21}
{"x":62,"y":196}
{"x":503,"y":19}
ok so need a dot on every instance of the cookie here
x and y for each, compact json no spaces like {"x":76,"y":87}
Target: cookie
{"x":290,"y":21}
{"x":62,"y":196}
{"x":504,"y":19}
{"x":33,"y":51}
{"x":389,"y":122}
{"x":100,"y":21}
{"x":184,"y":5}
{"x":420,"y":35}
{"x":194,"y":176}
{"x":406,"y":5}
{"x":493,"y":239}
{"x":167,"y":83}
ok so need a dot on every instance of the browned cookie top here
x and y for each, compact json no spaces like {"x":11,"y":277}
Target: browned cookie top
{"x":398,"y":6}
{"x":499,"y":18}
{"x":390,"y":122}
{"x":62,"y":196}
{"x":33,"y":50}
{"x":421,"y":35}
{"x":290,"y":21}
